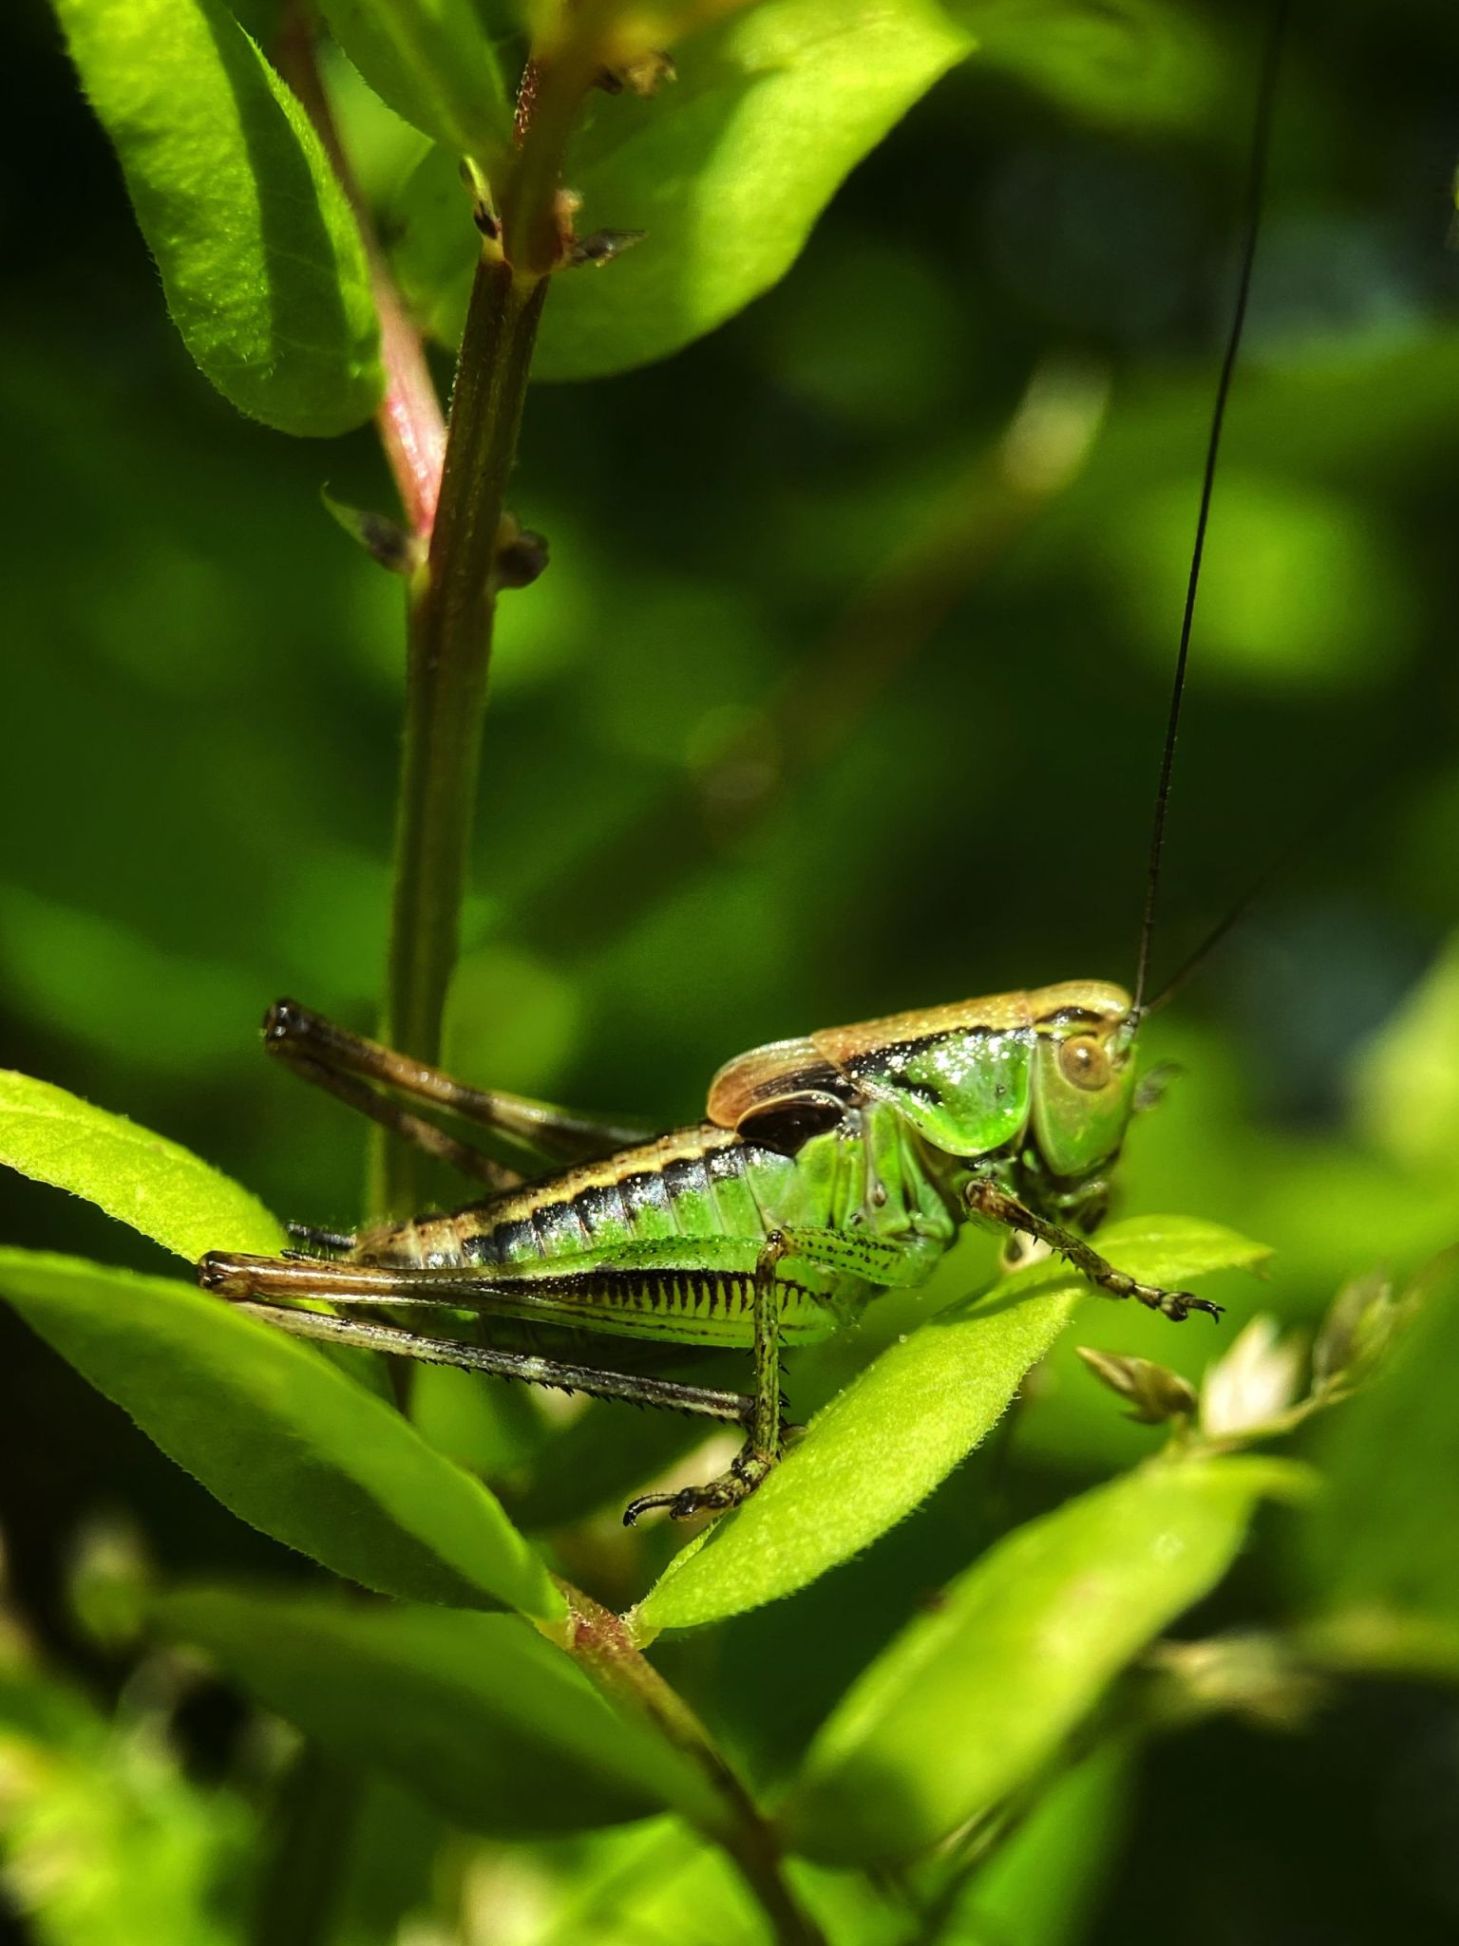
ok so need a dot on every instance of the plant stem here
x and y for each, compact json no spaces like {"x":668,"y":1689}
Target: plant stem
{"x":451,"y":612}
{"x":600,"y":1641}
{"x":453,"y":603}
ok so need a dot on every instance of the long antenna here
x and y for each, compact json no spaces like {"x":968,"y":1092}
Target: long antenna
{"x":1255,"y":191}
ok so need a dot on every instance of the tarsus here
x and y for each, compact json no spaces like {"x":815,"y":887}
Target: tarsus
{"x":1255,"y":192}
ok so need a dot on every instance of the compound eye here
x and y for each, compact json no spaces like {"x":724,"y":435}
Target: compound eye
{"x":1084,"y":1062}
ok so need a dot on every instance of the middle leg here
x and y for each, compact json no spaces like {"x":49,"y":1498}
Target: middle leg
{"x":761,"y":1449}
{"x":877,"y":1261}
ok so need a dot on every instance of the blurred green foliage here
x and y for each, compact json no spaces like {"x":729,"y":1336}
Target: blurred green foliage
{"x":843,"y":693}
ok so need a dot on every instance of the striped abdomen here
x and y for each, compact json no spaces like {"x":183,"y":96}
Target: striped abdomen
{"x":707,"y":1199}
{"x":696,"y":1184}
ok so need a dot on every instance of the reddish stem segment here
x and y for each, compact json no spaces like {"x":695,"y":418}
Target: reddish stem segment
{"x":412,"y":429}
{"x":411,"y":426}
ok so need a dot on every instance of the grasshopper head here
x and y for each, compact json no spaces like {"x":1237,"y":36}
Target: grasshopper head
{"x":1083,"y":1080}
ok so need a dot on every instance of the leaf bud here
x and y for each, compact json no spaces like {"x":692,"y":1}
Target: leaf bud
{"x":1156,"y":1393}
{"x":382,"y":538}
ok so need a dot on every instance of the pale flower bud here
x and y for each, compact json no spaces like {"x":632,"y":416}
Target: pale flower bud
{"x":1253,"y":1384}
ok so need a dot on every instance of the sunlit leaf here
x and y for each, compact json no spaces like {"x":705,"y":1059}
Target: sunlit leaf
{"x":726,"y":168}
{"x":884,"y":1443}
{"x":1015,"y":1653}
{"x":260,"y":256}
{"x":280,"y":1435}
{"x":140,"y":1178}
{"x":435,"y":63}
{"x":487,"y":1721}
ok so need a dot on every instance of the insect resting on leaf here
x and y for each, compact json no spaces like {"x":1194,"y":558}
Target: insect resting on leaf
{"x":828,"y":1169}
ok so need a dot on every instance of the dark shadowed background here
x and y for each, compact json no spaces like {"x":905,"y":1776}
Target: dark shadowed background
{"x":843,"y":693}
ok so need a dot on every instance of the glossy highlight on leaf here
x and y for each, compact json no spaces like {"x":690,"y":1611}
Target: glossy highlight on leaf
{"x":280,"y":1435}
{"x":1017,"y":1650}
{"x":726,"y":170}
{"x":486,"y":1720}
{"x":142,"y":1179}
{"x":882,"y":1445}
{"x":259,"y":252}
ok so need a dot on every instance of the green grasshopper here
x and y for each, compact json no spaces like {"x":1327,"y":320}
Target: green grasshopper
{"x":827,"y":1170}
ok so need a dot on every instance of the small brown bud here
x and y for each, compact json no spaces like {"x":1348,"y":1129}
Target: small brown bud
{"x":483,"y":209}
{"x":1156,"y":1393}
{"x":382,"y":538}
{"x":602,"y":246}
{"x":521,"y":555}
{"x":1356,"y":1331}
{"x":644,"y":74}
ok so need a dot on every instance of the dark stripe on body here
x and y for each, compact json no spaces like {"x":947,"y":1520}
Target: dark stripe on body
{"x":685,"y":1177}
{"x":731,"y":1164}
{"x":642,"y":1191}
{"x":601,"y":1207}
{"x":642,"y":1205}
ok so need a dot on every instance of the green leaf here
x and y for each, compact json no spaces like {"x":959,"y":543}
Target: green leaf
{"x":280,"y":1435}
{"x":1381,"y":1560}
{"x":1045,"y":1884}
{"x":1017,"y":1651}
{"x":140,"y":1178}
{"x":487,"y":1721}
{"x":434,"y":63}
{"x":726,"y":169}
{"x":1127,"y":63}
{"x":259,"y":252}
{"x":883,"y":1444}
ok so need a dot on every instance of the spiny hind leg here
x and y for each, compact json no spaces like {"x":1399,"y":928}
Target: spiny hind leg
{"x":323,"y":1054}
{"x":988,"y":1199}
{"x":357,"y":1070}
{"x":271,"y":1289}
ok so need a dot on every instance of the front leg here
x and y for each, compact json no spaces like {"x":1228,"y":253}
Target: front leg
{"x":988,"y":1199}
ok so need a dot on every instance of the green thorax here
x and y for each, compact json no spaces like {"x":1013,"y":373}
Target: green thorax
{"x":1049,"y":1074}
